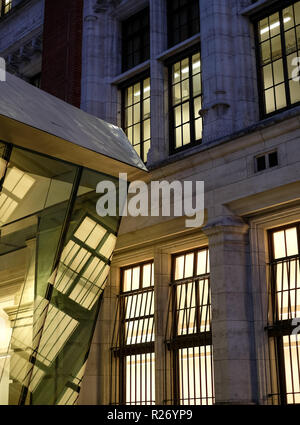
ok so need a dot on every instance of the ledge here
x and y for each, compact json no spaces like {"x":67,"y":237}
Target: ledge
{"x":131,"y":73}
{"x":256,"y":7}
{"x":179,"y":47}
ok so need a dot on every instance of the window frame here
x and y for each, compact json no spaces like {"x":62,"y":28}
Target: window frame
{"x":3,"y":6}
{"x":141,"y":34}
{"x":125,"y":350}
{"x":169,"y":63}
{"x":140,"y":78}
{"x":278,"y":328}
{"x":279,"y":6}
{"x":194,"y":340}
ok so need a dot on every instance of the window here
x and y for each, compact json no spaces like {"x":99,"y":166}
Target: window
{"x":183,"y":20}
{"x":279,"y":47}
{"x":5,"y":6}
{"x":135,"y":339}
{"x":186,"y":102}
{"x":267,"y":160}
{"x":136,"y":40}
{"x":284,"y":307}
{"x":136,"y":116}
{"x":189,"y":340}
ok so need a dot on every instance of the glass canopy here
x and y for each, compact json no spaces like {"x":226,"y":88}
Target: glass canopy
{"x":55,"y":256}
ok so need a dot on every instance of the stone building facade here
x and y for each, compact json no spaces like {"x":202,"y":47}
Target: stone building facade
{"x":206,"y":91}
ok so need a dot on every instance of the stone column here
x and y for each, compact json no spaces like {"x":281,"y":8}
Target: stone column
{"x":162,"y":268}
{"x":232,"y":321}
{"x":101,"y":60}
{"x":228,"y":68}
{"x":159,"y":116}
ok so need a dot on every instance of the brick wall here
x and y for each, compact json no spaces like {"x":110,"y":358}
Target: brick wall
{"x":62,"y":46}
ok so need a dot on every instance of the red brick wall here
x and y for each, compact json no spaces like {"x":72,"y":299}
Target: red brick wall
{"x":62,"y":45}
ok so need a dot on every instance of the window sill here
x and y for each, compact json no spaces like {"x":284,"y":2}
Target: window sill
{"x":178,"y":48}
{"x":256,"y":7}
{"x":121,"y":78}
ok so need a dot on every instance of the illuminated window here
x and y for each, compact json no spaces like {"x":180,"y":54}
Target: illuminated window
{"x":284,"y":307}
{"x":135,"y":40}
{"x":5,"y":6}
{"x":84,"y":263}
{"x":135,"y":339}
{"x":183,"y":20}
{"x":15,"y":187}
{"x":136,"y":118}
{"x":189,"y":332}
{"x":186,"y":102}
{"x":278,"y":37}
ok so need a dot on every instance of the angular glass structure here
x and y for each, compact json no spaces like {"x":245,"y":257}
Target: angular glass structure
{"x":55,"y":254}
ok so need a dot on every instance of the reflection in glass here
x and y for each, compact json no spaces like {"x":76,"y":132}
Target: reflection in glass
{"x":57,"y":250}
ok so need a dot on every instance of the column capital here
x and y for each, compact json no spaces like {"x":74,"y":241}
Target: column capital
{"x":225,"y":224}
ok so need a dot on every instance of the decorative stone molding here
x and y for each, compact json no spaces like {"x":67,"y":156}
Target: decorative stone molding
{"x":102,"y":6}
{"x":24,"y":54}
{"x":228,"y":223}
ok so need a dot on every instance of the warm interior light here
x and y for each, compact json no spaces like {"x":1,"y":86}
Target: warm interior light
{"x":3,"y":165}
{"x":186,"y":69}
{"x":18,"y":183}
{"x":275,"y":25}
{"x":146,"y":89}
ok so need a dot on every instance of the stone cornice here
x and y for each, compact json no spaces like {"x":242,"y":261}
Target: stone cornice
{"x":23,"y":54}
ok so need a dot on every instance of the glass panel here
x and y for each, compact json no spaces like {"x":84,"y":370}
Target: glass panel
{"x":279,"y":244}
{"x":185,"y":71}
{"x":196,"y":376}
{"x":274,"y":24}
{"x":202,"y":262}
{"x":140,"y":379}
{"x":176,"y":94}
{"x":176,"y":72}
{"x":294,"y":91}
{"x":185,"y":112}
{"x":265,"y":52}
{"x":291,"y":241}
{"x":291,"y":349}
{"x":146,"y":108}
{"x":178,"y":137}
{"x":290,"y":41}
{"x":270,"y":100}
{"x":186,"y":134}
{"x":189,"y":265}
{"x":147,"y":130}
{"x":179,"y":267}
{"x":278,"y":72}
{"x":280,"y":96}
{"x":185,"y":90}
{"x":137,"y":93}
{"x":53,"y":244}
{"x":135,"y":278}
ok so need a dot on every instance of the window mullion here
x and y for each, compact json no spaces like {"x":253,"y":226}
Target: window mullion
{"x":284,"y":59}
{"x":191,"y":101}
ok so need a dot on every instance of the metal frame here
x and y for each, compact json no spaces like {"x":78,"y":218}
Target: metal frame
{"x":176,"y":342}
{"x":277,"y":328}
{"x":183,"y":55}
{"x":131,"y":82}
{"x":277,"y":7}
{"x":122,"y":348}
